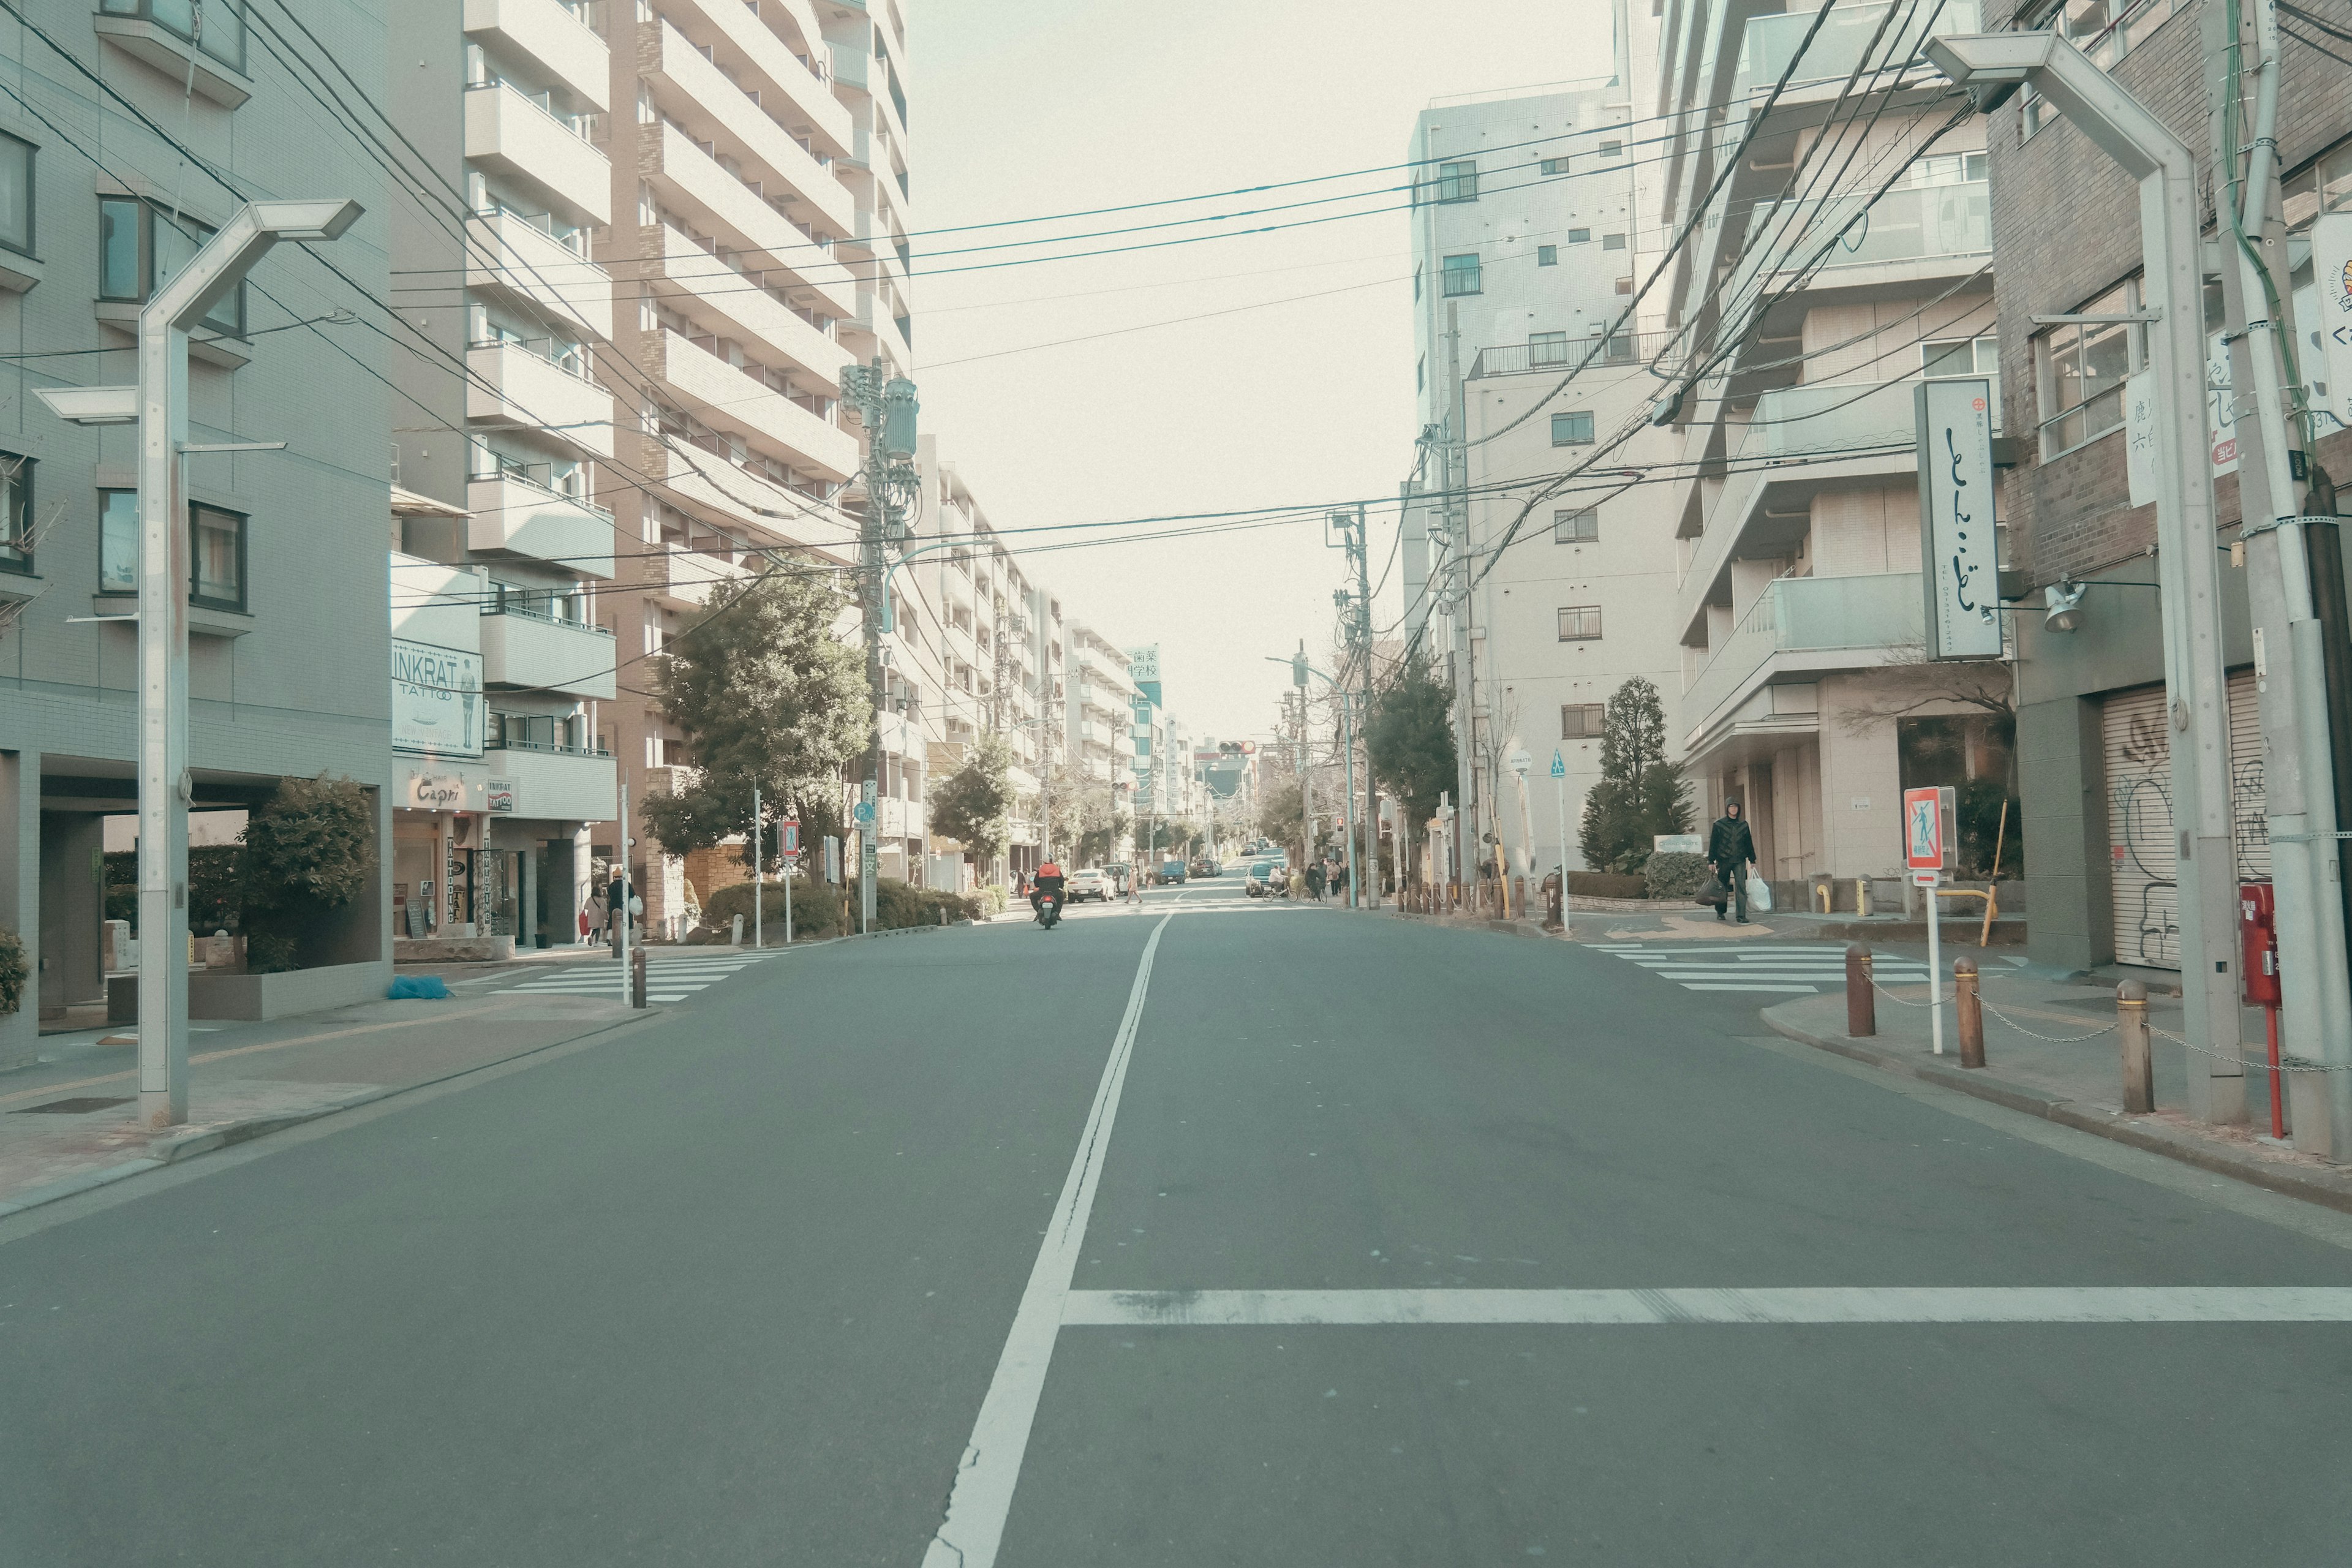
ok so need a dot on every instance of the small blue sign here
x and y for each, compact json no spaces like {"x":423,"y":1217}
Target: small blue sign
{"x":1558,"y":764}
{"x":862,"y":813}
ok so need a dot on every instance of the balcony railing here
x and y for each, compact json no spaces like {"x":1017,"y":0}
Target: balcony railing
{"x":1918,"y":223}
{"x":1565,"y":352}
{"x":1881,"y":613}
{"x":1768,"y":43}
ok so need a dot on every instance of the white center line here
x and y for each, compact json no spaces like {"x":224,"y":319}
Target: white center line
{"x":1836,"y":1304}
{"x":982,"y":1495}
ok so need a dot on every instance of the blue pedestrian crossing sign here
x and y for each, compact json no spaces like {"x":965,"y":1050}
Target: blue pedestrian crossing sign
{"x":1558,"y":764}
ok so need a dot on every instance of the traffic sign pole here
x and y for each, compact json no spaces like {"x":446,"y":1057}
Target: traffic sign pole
{"x":791,"y":829}
{"x":868,"y":861}
{"x":1559,"y":809}
{"x":1927,"y":849}
{"x":758,"y":872}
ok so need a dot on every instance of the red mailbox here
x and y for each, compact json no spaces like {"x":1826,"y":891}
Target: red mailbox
{"x":2258,"y":943}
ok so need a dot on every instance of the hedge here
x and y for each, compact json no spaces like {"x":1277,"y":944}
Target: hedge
{"x":1605,"y":885}
{"x":818,"y":908}
{"x":1675,"y":875}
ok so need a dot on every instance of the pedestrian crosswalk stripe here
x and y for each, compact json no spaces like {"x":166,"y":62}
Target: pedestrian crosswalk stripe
{"x":1782,"y":969}
{"x":668,"y":978}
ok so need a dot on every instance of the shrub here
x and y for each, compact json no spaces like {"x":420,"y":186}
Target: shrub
{"x":1606,"y":885}
{"x":14,"y":970}
{"x":1670,"y":875}
{"x":994,"y":898}
{"x":215,"y":887}
{"x":310,"y":849}
{"x":271,"y":952}
{"x":817,"y":908}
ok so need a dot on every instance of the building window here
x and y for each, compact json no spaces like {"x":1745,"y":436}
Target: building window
{"x":118,"y":541}
{"x":17,"y":195}
{"x":1546,"y":348}
{"x":2081,"y":369}
{"x":1555,"y":166}
{"x":1582,"y":720}
{"x":1462,"y":275}
{"x":1579,"y":623}
{"x":216,"y":552}
{"x":1579,"y":237}
{"x":15,"y":514}
{"x":1625,"y":285}
{"x":140,"y":247}
{"x":1457,"y":181}
{"x":2323,"y":185}
{"x":1575,"y":527}
{"x":1416,"y":280}
{"x":1571,"y":429}
{"x":1612,"y":149}
{"x":216,"y":26}
{"x":1612,"y":242}
{"x":1547,"y":256}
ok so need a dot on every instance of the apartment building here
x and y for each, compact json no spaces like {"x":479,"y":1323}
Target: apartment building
{"x":1799,"y":604}
{"x":499,"y":550}
{"x":758,"y":238}
{"x":1099,"y":734}
{"x":287,"y":644}
{"x":1526,"y":253}
{"x":1165,"y":789}
{"x":2093,"y":729}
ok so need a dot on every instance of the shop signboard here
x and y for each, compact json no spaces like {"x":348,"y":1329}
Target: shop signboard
{"x":437,"y":705}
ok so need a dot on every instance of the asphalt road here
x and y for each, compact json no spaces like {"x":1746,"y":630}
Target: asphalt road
{"x":954,"y":1234}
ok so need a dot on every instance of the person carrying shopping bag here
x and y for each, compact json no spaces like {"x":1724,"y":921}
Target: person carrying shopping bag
{"x":1731,"y":850}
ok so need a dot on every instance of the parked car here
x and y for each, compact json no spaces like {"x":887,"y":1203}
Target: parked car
{"x":1093,"y":882}
{"x":1120,"y":874}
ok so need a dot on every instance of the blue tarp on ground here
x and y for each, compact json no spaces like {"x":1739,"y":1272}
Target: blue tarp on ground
{"x":418,"y":987}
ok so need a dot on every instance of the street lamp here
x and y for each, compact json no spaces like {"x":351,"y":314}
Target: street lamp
{"x":158,"y":404}
{"x":1992,"y":66}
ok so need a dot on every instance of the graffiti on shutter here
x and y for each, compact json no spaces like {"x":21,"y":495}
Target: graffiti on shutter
{"x":2136,"y":735}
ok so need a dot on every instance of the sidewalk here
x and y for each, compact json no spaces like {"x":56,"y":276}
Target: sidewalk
{"x":70,"y":1122}
{"x":2051,"y":1050}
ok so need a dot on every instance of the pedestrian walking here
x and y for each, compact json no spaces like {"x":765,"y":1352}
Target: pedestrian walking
{"x":587,"y":922}
{"x":617,"y":912}
{"x":1315,"y":880}
{"x":1731,"y":850}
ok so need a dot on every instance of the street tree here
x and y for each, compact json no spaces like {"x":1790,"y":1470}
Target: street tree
{"x":768,"y":697}
{"x":308,"y":850}
{"x":974,"y":805}
{"x":1411,"y":743}
{"x":1640,"y":793}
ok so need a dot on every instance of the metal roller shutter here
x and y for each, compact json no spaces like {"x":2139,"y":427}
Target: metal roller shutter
{"x":2142,"y":843}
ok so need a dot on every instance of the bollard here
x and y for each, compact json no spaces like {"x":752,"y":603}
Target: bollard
{"x":1519,"y":894}
{"x":736,"y":938}
{"x":1964,"y":995}
{"x":1860,"y":1001}
{"x":2131,"y":1026}
{"x":636,"y":977}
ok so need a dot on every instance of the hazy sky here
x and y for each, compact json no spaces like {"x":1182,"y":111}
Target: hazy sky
{"x":1026,"y":108}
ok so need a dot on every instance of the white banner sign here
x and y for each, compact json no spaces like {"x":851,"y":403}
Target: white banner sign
{"x":437,"y":700}
{"x":2331,"y":265}
{"x":2139,"y":435}
{"x":1956,"y":519}
{"x":2220,"y":409}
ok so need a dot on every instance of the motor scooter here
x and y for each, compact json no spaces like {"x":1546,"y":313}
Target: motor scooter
{"x":1049,"y":911}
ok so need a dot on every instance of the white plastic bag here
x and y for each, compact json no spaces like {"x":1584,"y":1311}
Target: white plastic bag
{"x":1760,"y":895}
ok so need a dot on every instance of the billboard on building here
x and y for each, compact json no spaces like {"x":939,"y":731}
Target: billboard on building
{"x":437,"y":705}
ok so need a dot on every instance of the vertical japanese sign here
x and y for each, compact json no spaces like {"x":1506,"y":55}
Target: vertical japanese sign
{"x":2220,"y":406}
{"x":2331,"y":266}
{"x":1956,"y":519}
{"x":2139,"y":435}
{"x":1927,"y":843}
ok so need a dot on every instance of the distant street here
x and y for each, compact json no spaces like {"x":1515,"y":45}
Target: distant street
{"x":1333,"y":1240}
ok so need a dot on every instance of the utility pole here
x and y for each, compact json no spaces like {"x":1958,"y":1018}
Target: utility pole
{"x":1457,"y":449}
{"x":888,"y":407}
{"x":1372,"y":821}
{"x":620,"y":917}
{"x":2290,"y":674}
{"x":758,"y":871}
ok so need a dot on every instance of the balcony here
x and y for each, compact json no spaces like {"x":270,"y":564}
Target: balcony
{"x":745,"y":309}
{"x":543,"y":654}
{"x":716,"y":109}
{"x":512,"y":382}
{"x":557,"y":43}
{"x":691,"y":181}
{"x":555,"y":783}
{"x":1803,"y":627}
{"x":765,"y":63}
{"x":517,"y":516}
{"x":724,"y":398}
{"x":523,"y":257}
{"x":686,"y":579}
{"x":511,"y":135}
{"x":1916,"y":234}
{"x":1768,"y":43}
{"x":725,"y":488}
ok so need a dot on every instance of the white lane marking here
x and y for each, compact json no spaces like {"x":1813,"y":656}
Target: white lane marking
{"x":1775,"y":974}
{"x":1797,"y":990}
{"x":981,"y":1497}
{"x":1842,"y":1304}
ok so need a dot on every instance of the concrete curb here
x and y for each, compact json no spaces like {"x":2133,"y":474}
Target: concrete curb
{"x":2332,"y":1191}
{"x":173,"y":1148}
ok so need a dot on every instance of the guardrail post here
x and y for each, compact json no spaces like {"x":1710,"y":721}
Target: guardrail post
{"x":1971,"y":1012}
{"x":2131,"y":1026}
{"x":1860,"y":1001}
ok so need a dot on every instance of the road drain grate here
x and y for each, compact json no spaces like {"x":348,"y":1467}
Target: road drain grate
{"x":74,"y":1107}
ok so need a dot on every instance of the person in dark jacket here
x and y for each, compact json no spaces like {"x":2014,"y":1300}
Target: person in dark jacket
{"x":1731,"y":850}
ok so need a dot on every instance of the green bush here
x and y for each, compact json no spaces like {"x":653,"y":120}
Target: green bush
{"x":994,"y":898}
{"x":215,"y":887}
{"x":1674,"y":876}
{"x":1606,"y":885}
{"x":271,"y":952}
{"x":14,"y":970}
{"x":310,"y":849}
{"x":817,"y":909}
